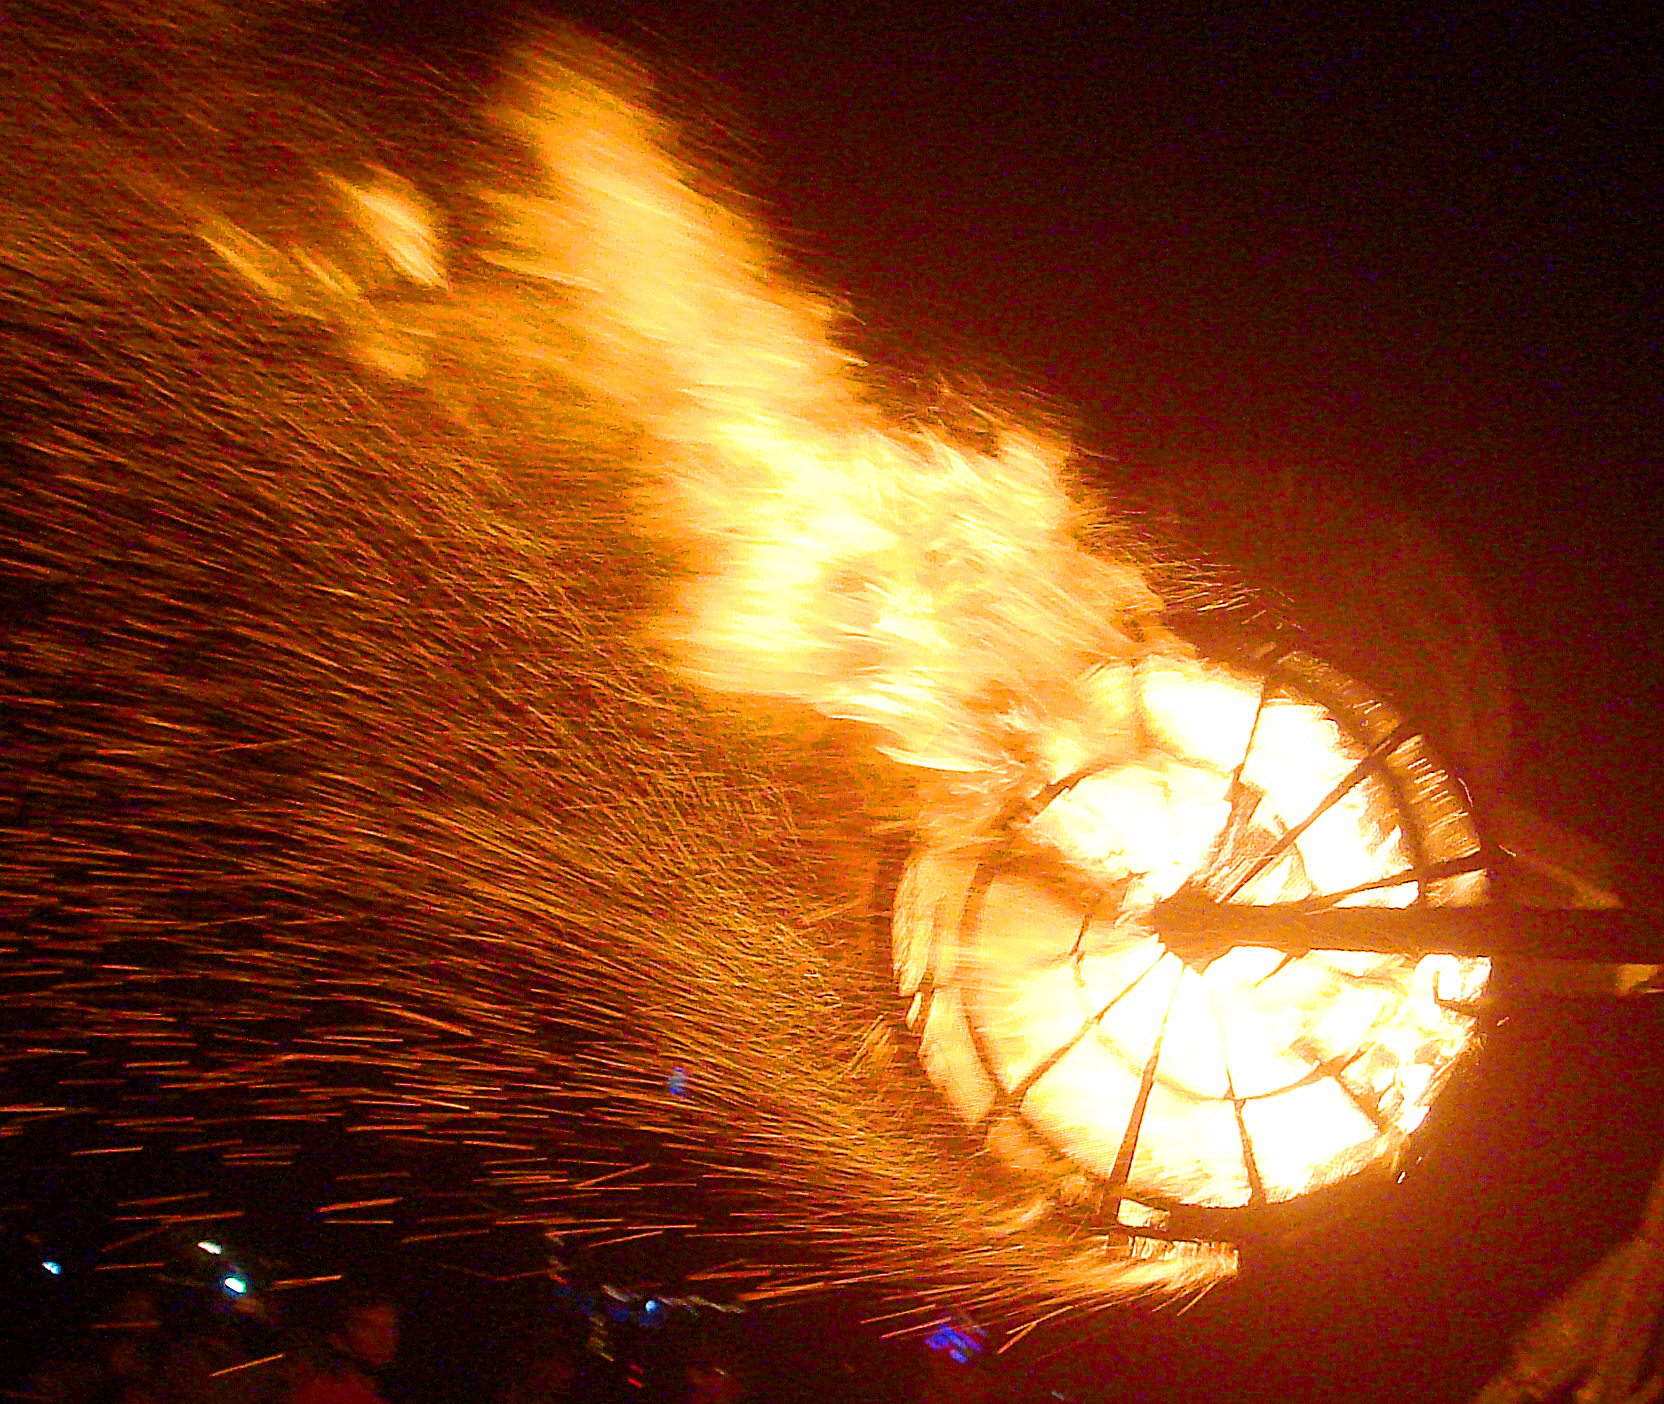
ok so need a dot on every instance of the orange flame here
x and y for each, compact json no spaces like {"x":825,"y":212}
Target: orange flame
{"x":929,"y":592}
{"x":938,"y":596}
{"x":1250,"y":1077}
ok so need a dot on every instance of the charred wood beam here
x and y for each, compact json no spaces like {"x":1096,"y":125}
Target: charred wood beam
{"x":1198,"y":930}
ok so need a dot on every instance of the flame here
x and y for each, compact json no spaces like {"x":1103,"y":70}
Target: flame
{"x":889,"y":577}
{"x":933,"y":593}
{"x":938,"y":596}
{"x":1251,"y":1077}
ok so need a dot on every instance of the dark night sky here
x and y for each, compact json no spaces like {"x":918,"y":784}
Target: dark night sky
{"x":1419,"y":255}
{"x":1418,"y":258}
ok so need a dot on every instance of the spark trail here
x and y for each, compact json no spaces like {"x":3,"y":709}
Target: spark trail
{"x":418,"y":513}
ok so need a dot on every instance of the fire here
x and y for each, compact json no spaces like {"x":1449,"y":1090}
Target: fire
{"x":890,"y":577}
{"x":934,"y":593}
{"x":938,"y":596}
{"x":1053,"y":1018}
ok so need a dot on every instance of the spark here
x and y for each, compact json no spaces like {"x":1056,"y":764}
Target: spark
{"x":459,"y":680}
{"x":246,"y":1365}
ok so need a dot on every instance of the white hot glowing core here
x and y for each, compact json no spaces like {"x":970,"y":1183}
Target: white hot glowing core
{"x":1049,"y":999}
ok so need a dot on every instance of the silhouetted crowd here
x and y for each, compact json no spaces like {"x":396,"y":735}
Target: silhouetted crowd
{"x":361,"y":1346}
{"x":134,"y":1354}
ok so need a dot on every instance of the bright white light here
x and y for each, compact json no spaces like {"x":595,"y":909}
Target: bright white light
{"x":209,"y":1246}
{"x":1246,"y":1078}
{"x":234,"y":1285}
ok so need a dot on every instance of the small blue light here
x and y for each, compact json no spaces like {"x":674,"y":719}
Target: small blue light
{"x":234,"y":1284}
{"x":961,"y":1344}
{"x":678,"y":1082}
{"x":653,"y":1305}
{"x":56,"y":1269}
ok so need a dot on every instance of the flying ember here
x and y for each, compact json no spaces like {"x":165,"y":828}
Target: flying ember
{"x":486,"y":647}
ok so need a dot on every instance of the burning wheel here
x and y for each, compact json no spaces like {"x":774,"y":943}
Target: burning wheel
{"x":1199,"y":1087}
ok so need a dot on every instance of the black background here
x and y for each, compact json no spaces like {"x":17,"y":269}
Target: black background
{"x":1418,"y":256}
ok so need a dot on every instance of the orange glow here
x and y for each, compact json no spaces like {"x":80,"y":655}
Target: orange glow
{"x":937,"y":595}
{"x":1051,"y":1004}
{"x":891,"y":576}
{"x":928,"y":591}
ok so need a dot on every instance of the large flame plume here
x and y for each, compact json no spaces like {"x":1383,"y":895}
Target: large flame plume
{"x":929,"y":590}
{"x":938,"y":596}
